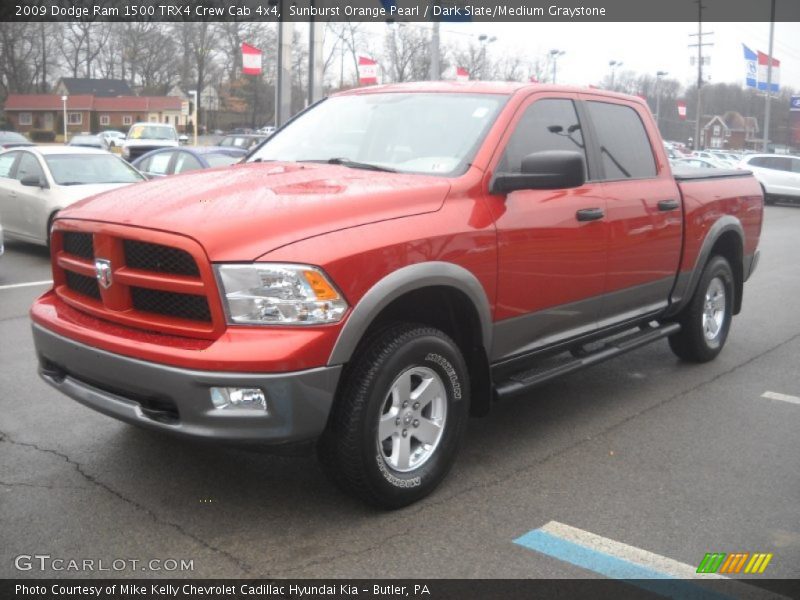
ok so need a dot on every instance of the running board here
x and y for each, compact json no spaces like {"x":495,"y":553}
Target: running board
{"x":564,"y":364}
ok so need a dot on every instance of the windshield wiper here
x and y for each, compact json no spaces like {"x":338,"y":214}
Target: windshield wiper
{"x":352,"y":164}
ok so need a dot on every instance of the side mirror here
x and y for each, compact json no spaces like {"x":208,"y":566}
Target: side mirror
{"x":547,"y":170}
{"x":33,"y":181}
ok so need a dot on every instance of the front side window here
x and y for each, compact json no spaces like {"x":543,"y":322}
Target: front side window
{"x":186,"y":162}
{"x":624,"y":144}
{"x":428,"y":133}
{"x":549,"y":124}
{"x":157,"y":164}
{"x":29,"y":167}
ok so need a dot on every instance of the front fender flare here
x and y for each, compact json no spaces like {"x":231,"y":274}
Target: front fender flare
{"x":402,"y":281}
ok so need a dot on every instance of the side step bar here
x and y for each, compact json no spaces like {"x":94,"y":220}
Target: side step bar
{"x":525,"y":380}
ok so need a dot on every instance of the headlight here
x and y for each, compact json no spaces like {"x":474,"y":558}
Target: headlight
{"x":279,"y":294}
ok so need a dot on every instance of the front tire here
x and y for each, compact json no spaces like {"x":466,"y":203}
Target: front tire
{"x":706,"y":320}
{"x":399,"y":417}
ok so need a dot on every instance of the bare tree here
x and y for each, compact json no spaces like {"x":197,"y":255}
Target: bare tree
{"x":407,"y":51}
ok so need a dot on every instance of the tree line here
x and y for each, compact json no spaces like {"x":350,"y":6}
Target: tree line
{"x":153,"y":57}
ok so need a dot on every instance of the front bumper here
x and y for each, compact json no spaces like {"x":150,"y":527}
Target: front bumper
{"x":177,"y":400}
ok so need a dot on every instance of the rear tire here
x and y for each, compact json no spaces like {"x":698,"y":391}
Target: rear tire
{"x":769,"y":200}
{"x":706,"y":320}
{"x":399,"y":417}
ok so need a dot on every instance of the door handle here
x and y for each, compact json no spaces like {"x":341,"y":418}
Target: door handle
{"x":589,"y":214}
{"x":665,"y":205}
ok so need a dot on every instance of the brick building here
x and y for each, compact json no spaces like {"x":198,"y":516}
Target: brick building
{"x":45,"y":112}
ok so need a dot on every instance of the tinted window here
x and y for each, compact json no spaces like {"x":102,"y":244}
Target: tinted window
{"x":28,"y":167}
{"x":186,"y":162}
{"x":6,"y":162}
{"x":624,"y":145}
{"x":778,"y":163}
{"x":546,"y":125}
{"x":796,"y":165}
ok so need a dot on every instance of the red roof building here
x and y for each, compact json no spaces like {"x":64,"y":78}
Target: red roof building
{"x":45,"y":112}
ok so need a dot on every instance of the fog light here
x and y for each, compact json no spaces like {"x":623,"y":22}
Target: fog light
{"x":252,"y":398}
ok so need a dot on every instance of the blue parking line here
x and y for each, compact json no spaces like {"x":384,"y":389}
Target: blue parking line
{"x":651,"y":580}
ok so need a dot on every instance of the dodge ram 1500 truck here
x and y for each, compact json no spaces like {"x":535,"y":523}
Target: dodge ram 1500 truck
{"x":390,"y":262}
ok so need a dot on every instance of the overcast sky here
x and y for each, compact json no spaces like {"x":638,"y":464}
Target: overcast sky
{"x":642,"y":47}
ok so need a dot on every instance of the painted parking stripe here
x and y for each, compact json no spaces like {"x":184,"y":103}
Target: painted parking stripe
{"x":11,"y":286}
{"x":650,"y":571}
{"x":782,"y":397}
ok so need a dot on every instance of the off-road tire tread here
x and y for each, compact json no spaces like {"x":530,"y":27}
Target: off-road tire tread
{"x":339,"y":447}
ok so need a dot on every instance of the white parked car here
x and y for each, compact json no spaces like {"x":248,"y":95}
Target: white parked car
{"x":36,"y":182}
{"x":112,"y":137}
{"x":778,"y":174}
{"x":144,"y":137}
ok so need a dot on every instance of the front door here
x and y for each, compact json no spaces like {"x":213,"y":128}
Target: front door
{"x":551,"y":264}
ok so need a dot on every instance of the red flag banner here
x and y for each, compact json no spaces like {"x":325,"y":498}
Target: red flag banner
{"x":251,"y":60}
{"x":367,"y":71}
{"x":462,"y":74}
{"x":682,"y":110}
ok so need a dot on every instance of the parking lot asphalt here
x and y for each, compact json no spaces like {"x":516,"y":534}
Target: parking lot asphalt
{"x":675,"y":459}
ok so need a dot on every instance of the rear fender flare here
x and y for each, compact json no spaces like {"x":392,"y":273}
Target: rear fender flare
{"x":686,"y":283}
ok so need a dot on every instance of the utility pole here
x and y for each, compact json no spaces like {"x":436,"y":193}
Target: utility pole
{"x":659,"y":75}
{"x":699,"y":44}
{"x":436,"y":70}
{"x":768,"y":107}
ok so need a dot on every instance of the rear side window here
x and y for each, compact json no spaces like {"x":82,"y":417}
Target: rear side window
{"x":795,"y":165}
{"x":624,"y":145}
{"x":6,"y":162}
{"x":550,"y":124}
{"x":776,"y":163}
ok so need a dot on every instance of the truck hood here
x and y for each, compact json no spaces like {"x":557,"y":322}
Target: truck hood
{"x":240,"y":213}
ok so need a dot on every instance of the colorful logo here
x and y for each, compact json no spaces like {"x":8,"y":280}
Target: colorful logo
{"x":720,"y":562}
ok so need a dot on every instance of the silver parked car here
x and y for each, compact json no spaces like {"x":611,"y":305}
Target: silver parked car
{"x":37,"y":182}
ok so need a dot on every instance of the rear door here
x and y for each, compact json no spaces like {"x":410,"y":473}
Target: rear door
{"x":8,"y":191}
{"x":551,"y":264}
{"x":643,"y":210}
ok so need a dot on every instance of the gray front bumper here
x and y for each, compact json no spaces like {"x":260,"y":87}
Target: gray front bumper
{"x":178,"y":401}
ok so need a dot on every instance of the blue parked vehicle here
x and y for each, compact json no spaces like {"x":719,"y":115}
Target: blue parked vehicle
{"x":171,"y":161}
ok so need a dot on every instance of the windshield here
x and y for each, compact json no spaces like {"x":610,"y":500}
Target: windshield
{"x":8,"y":136}
{"x":152,"y":132}
{"x":81,"y":169}
{"x":428,"y":133}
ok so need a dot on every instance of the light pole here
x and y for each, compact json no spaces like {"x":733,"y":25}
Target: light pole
{"x":554,"y":56}
{"x":659,"y":75}
{"x":484,"y":39}
{"x":64,"y":104}
{"x":614,"y":64}
{"x":194,"y":114}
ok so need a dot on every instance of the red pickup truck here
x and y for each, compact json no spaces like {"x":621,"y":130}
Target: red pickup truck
{"x":390,"y":262}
